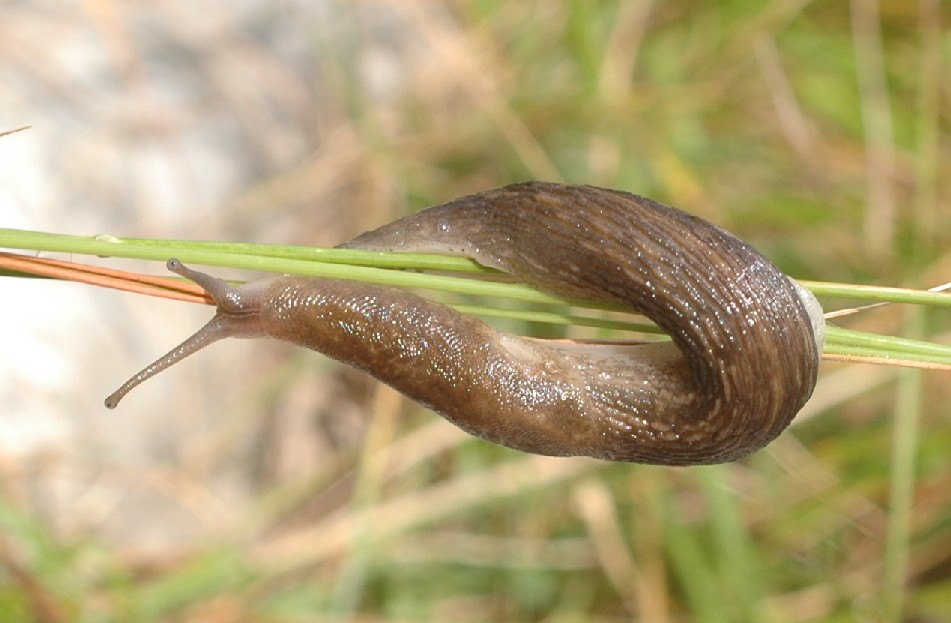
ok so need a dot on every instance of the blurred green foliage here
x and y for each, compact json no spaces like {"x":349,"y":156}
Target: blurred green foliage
{"x":753,"y":115}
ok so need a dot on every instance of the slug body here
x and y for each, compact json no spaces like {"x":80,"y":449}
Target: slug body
{"x":745,"y":338}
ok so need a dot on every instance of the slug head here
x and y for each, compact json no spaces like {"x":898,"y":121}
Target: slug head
{"x":236,"y":316}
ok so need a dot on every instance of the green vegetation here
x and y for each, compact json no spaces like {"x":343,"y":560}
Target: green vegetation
{"x":816,"y":131}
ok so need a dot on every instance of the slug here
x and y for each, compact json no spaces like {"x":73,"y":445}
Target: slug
{"x":742,"y":360}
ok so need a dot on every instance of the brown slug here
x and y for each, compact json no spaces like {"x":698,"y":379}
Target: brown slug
{"x":746,"y":339}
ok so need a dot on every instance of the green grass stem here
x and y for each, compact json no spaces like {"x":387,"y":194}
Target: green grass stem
{"x":398,"y":269}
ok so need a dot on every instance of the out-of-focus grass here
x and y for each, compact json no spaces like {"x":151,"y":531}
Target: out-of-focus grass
{"x":816,"y":131}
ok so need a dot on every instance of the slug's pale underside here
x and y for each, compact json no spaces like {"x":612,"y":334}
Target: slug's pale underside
{"x":743,"y":359}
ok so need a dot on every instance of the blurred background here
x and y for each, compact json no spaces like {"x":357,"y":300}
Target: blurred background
{"x":258,"y":482}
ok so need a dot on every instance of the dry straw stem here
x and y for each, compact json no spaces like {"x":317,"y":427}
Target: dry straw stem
{"x":26,"y":127}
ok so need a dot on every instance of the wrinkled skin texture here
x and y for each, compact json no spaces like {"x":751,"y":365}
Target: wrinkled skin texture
{"x":742,"y":362}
